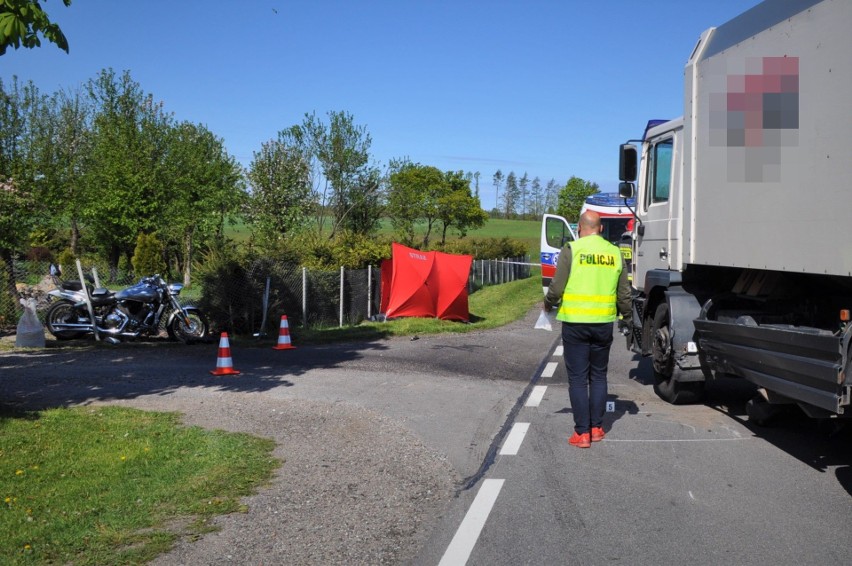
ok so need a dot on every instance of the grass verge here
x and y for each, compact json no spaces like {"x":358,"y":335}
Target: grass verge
{"x":489,"y":307}
{"x":110,"y":485}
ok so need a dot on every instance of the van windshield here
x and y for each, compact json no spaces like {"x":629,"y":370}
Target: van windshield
{"x":613,"y":228}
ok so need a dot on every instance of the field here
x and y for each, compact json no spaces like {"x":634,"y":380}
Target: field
{"x":527,"y":231}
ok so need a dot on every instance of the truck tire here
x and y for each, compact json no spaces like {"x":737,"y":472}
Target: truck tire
{"x":665,"y":385}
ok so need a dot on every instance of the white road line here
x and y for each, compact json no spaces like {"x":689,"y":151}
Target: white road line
{"x":557,"y":351}
{"x":536,"y":396}
{"x":549,"y":369}
{"x":465,"y":538}
{"x":514,"y":440}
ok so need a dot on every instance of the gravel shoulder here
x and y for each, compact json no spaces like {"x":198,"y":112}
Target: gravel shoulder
{"x":354,"y":487}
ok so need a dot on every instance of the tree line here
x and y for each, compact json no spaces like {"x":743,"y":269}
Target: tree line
{"x":90,"y":170}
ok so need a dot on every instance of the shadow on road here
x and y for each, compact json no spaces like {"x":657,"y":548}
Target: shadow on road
{"x":84,"y":372}
{"x":822,"y":444}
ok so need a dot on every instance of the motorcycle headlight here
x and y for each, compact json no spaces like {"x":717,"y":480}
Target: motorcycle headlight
{"x":174,"y":288}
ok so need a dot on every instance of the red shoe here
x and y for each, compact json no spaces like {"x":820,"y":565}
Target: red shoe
{"x":597,"y":434}
{"x":580,"y":440}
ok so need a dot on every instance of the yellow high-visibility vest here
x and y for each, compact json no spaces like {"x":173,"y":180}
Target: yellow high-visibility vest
{"x":590,"y":293}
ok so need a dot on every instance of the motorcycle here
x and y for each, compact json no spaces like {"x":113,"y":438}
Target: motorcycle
{"x":130,"y":313}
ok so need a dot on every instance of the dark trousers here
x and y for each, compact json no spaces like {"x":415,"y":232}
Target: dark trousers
{"x":586,"y":351}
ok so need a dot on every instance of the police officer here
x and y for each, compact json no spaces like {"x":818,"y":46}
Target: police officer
{"x":590,"y":288}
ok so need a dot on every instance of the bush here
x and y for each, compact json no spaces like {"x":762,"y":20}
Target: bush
{"x":148,"y":256}
{"x":486,"y":248}
{"x":357,"y":251}
{"x":347,"y":249}
{"x":66,"y":259}
{"x":39,"y":253}
{"x":227,"y":294}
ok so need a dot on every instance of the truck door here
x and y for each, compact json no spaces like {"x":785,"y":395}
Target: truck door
{"x":654,"y":245}
{"x":555,"y":233}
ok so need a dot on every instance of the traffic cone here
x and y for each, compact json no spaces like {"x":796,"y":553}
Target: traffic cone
{"x":224,"y":364}
{"x":284,"y":336}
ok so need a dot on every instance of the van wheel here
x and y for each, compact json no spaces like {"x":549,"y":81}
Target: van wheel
{"x":665,"y":385}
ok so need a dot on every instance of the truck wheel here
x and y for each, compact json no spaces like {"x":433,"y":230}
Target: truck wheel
{"x":665,"y":385}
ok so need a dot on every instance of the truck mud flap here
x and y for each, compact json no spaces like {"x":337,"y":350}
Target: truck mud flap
{"x":807,"y":367}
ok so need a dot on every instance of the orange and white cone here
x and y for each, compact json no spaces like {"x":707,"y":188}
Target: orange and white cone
{"x":224,"y":364}
{"x":284,"y":336}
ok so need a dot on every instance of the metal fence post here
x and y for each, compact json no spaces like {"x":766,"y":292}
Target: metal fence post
{"x":304,"y":297}
{"x":369,"y":291}
{"x":88,"y":302}
{"x":341,"y":296}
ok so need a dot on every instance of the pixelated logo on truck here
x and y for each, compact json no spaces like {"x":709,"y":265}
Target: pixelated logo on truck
{"x":754,"y":114}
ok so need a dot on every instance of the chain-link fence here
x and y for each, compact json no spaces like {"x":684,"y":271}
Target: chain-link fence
{"x":250,"y":300}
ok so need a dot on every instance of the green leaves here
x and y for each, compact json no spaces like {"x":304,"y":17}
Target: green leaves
{"x":281,"y":189}
{"x":573,"y":195}
{"x":424,"y":193}
{"x":21,"y":21}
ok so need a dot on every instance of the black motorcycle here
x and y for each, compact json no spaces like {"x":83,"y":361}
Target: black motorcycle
{"x":139,"y":310}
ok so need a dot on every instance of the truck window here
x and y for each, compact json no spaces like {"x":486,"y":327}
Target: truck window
{"x":661,"y":171}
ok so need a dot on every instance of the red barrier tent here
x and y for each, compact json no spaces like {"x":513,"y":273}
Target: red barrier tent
{"x":425,"y":284}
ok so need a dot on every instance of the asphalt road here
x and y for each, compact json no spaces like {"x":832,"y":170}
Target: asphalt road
{"x":668,"y":485}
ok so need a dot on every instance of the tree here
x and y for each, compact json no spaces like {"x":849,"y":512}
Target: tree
{"x":510,"y":195}
{"x":129,"y":141}
{"x":498,"y":182}
{"x":342,"y":181}
{"x":365,"y":203}
{"x":536,"y":198}
{"x":21,"y":21}
{"x":148,"y":255}
{"x":204,"y":186}
{"x":457,"y":208}
{"x":64,"y":149}
{"x":344,"y":152}
{"x":280,"y":189}
{"x":438,"y":199}
{"x":522,"y":186}
{"x":551,"y":196}
{"x":413,"y":195}
{"x":21,"y":109}
{"x":573,"y":195}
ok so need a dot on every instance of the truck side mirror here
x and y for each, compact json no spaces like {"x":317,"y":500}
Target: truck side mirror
{"x":627,"y":162}
{"x":626,"y":190}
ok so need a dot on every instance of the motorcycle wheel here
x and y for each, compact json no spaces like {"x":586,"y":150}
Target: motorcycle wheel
{"x":197,"y":329}
{"x":62,"y":312}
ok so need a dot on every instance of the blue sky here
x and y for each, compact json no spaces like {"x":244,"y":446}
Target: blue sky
{"x":549,"y":88}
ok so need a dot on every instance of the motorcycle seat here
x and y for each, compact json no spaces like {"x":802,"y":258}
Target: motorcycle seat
{"x":74,"y":286}
{"x":102,"y":296}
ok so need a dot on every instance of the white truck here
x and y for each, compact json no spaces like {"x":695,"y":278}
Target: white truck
{"x":740,"y":263}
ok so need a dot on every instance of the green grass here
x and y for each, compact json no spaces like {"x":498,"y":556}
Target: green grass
{"x":110,"y":485}
{"x":526,"y":230}
{"x":489,"y":307}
